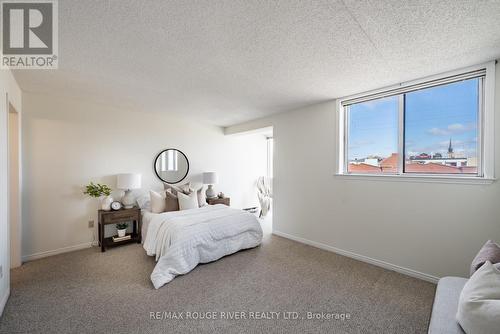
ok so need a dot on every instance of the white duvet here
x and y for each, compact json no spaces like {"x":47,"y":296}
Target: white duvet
{"x":181,"y":240}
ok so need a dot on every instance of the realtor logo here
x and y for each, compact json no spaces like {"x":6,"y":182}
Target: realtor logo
{"x":29,"y":34}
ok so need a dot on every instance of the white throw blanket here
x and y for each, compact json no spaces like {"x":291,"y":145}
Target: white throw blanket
{"x":181,"y":240}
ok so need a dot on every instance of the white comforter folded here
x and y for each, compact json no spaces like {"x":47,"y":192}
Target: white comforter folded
{"x":181,"y":240}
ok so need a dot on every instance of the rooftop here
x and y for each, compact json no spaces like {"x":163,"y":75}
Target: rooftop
{"x":389,"y":165}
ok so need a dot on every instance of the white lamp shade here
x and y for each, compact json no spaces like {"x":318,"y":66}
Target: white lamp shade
{"x":210,"y":178}
{"x":128,"y":181}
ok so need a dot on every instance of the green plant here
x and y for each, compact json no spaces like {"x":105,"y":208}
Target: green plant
{"x":97,"y":190}
{"x":121,"y":226}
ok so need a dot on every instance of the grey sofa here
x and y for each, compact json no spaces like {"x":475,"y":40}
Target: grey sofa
{"x":445,"y":306}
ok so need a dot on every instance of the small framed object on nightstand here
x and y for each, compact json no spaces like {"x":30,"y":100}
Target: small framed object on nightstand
{"x":217,"y":200}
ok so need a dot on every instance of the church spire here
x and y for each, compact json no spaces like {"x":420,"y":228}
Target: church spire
{"x":450,"y":150}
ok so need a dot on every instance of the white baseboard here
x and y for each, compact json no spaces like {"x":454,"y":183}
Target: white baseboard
{"x":57,"y":251}
{"x":379,"y":263}
{"x":3,"y":301}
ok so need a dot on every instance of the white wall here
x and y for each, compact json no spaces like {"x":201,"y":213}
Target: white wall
{"x":8,"y":87}
{"x":67,"y":143}
{"x":434,"y":229}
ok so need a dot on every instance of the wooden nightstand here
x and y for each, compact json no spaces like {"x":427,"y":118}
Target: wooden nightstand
{"x":217,"y":200}
{"x":120,"y":216}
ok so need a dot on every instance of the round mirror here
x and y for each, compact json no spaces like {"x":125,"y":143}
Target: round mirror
{"x":171,"y":166}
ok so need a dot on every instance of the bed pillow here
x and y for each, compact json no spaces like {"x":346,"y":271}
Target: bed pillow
{"x":167,"y":186}
{"x":183,"y":188}
{"x":144,"y":201}
{"x":158,"y":201}
{"x":187,"y":202}
{"x":200,"y":194}
{"x":479,"y":304}
{"x":171,"y":201}
{"x":489,"y":252}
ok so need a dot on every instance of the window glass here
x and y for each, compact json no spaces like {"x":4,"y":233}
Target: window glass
{"x":373,"y":136}
{"x":441,"y":129}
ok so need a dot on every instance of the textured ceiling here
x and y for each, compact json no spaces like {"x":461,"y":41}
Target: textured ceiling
{"x":230,"y":61}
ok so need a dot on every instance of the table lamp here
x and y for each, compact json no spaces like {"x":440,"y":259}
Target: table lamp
{"x":210,"y":178}
{"x":128,"y":182}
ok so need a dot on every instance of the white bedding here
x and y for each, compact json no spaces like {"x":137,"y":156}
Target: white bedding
{"x":146,"y":219}
{"x":181,"y":240}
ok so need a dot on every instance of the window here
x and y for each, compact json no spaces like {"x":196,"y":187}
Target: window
{"x":425,"y":128}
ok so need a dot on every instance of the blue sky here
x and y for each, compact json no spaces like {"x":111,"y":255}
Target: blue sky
{"x":433,"y":116}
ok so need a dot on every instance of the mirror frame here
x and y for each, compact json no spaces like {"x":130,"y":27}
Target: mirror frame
{"x":156,"y":159}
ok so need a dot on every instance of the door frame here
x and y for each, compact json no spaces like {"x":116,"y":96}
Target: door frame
{"x":15,"y":257}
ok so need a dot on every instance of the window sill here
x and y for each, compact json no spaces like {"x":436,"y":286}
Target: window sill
{"x":419,"y":178}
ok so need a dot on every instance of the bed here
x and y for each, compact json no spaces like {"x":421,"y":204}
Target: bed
{"x":180,"y":240}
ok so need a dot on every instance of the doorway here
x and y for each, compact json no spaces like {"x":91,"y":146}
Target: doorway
{"x":265,"y":178}
{"x":14,"y":130}
{"x":267,"y":220}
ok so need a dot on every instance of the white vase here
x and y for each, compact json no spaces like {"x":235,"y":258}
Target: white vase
{"x":121,"y":233}
{"x":106,"y":203}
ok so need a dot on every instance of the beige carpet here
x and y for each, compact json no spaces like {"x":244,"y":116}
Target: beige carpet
{"x":90,"y":292}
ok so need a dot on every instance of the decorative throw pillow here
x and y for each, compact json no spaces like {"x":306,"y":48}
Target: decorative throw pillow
{"x":187,"y":202}
{"x":489,"y":252}
{"x":172,"y":202}
{"x":479,"y":304}
{"x":158,"y":202}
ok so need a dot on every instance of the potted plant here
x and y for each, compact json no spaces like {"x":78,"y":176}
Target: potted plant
{"x":100,"y":191}
{"x":122,"y":229}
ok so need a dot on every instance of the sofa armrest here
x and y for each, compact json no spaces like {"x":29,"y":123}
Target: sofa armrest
{"x":445,"y":306}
